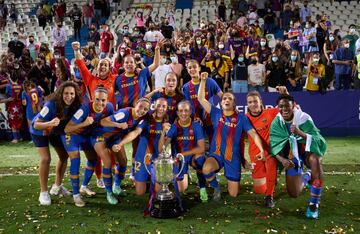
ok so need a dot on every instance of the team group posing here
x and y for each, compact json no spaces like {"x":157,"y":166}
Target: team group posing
{"x":182,"y":119}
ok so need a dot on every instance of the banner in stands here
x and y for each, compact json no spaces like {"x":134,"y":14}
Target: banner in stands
{"x":335,"y":113}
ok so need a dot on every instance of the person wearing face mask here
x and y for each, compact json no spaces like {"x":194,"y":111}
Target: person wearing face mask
{"x":94,"y":35}
{"x":76,"y":17}
{"x":269,"y":21}
{"x":198,"y":51}
{"x":352,"y":37}
{"x":218,"y":68}
{"x":167,"y":30}
{"x":293,"y":72}
{"x":330,"y":45}
{"x":33,"y":47}
{"x":315,"y":74}
{"x":88,"y":13}
{"x":239,"y":75}
{"x":294,"y":34}
{"x":343,"y":59}
{"x":160,"y":72}
{"x":59,"y":37}
{"x":275,"y":73}
{"x":15,"y":46}
{"x":153,"y":35}
{"x":309,"y":42}
{"x":305,"y":12}
{"x":106,"y":41}
{"x":264,"y":51}
{"x":175,"y":66}
{"x":256,"y":75}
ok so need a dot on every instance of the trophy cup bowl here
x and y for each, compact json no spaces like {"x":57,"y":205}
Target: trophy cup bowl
{"x":165,"y":204}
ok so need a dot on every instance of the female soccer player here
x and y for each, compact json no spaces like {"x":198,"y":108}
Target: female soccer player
{"x":77,"y":136}
{"x":47,"y":127}
{"x":225,"y":146}
{"x":171,"y":93}
{"x":295,"y":141}
{"x":114,"y":127}
{"x":32,"y":99}
{"x":187,"y":138}
{"x":149,"y":132}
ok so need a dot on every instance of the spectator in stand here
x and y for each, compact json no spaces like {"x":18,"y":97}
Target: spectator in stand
{"x":218,"y":68}
{"x":42,"y":16}
{"x":242,"y":6}
{"x":356,"y":72}
{"x":45,"y":51}
{"x":175,"y":66}
{"x":352,"y":37}
{"x":343,"y":60}
{"x":253,"y":16}
{"x":106,"y":42}
{"x":13,"y":13}
{"x":167,"y":30}
{"x":330,"y":45}
{"x":59,"y":38}
{"x":42,"y":74}
{"x":88,"y":13}
{"x":3,"y":14}
{"x":76,"y":17}
{"x":315,"y":74}
{"x":310,"y":45}
{"x":153,"y":35}
{"x":222,"y":11}
{"x":160,"y":73}
{"x":140,"y":22}
{"x":15,"y":46}
{"x":269,"y":21}
{"x":33,"y":48}
{"x":321,"y":33}
{"x":305,"y":13}
{"x":59,"y":11}
{"x":293,"y":72}
{"x":98,"y":10}
{"x":242,"y":20}
{"x":239,"y":75}
{"x":264,"y":51}
{"x":256,"y":75}
{"x":94,"y":35}
{"x":275,"y":73}
{"x":48,"y":10}
{"x":285,"y":18}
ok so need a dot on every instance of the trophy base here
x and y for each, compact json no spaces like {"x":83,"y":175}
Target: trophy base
{"x":165,"y":209}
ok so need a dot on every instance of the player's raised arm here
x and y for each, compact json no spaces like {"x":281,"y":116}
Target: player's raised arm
{"x":156,"y":62}
{"x":163,"y":139}
{"x":76,"y":47}
{"x":201,"y":93}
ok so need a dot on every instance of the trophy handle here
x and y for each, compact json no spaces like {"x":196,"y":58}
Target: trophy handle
{"x":145,"y":160}
{"x":182,"y":164}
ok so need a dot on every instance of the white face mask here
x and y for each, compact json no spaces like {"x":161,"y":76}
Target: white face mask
{"x":202,"y":25}
{"x":174,"y":59}
{"x":56,"y":56}
{"x":352,"y":30}
{"x":331,"y":38}
{"x":221,"y":46}
{"x":315,"y":60}
{"x":184,"y":49}
{"x":148,"y":47}
{"x":198,"y":42}
{"x":122,"y":53}
{"x":262,"y":43}
{"x":347,"y":45}
{"x":164,"y":60}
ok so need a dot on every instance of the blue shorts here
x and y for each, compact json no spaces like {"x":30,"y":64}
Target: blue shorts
{"x":75,"y":143}
{"x":188,"y":160}
{"x":298,"y":169}
{"x":43,"y":141}
{"x":140,"y":173}
{"x":232,"y":169}
{"x":108,"y":141}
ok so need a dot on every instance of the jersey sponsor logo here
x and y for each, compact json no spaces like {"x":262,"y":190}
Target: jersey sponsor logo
{"x":185,"y":138}
{"x":78,"y":114}
{"x":119,"y":116}
{"x":153,"y":131}
{"x":229,"y":124}
{"x":44,"y":111}
{"x":129,"y":84}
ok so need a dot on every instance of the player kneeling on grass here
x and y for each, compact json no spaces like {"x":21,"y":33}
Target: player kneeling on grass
{"x":225,"y":149}
{"x":77,"y":137}
{"x":113,"y":127}
{"x":187,"y":138}
{"x":295,"y":141}
{"x":149,"y":132}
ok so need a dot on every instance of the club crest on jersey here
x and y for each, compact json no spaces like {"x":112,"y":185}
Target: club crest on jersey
{"x":233,"y":120}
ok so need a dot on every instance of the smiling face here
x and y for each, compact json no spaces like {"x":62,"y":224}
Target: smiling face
{"x":69,"y":95}
{"x":286,"y":109}
{"x":228,"y":102}
{"x":193,"y":69}
{"x":170,"y":82}
{"x":160,"y":107}
{"x":254,"y":104}
{"x":184,"y":112}
{"x":100,"y":100}
{"x":129,"y":64}
{"x":103,"y":68}
{"x":141,"y":108}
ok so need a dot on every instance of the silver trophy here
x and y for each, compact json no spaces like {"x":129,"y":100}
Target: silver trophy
{"x":165,"y":204}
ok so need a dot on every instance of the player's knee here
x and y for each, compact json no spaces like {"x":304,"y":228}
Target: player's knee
{"x":45,"y":160}
{"x":140,"y":190}
{"x":260,"y":189}
{"x":294,"y":193}
{"x":233,"y":193}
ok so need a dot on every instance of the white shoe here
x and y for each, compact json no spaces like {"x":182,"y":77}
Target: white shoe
{"x":78,"y":200}
{"x":84,"y":190}
{"x":44,"y":199}
{"x":100,"y":183}
{"x":59,"y":190}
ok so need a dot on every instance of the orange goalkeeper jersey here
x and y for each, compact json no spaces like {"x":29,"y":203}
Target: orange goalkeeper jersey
{"x":262,"y":125}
